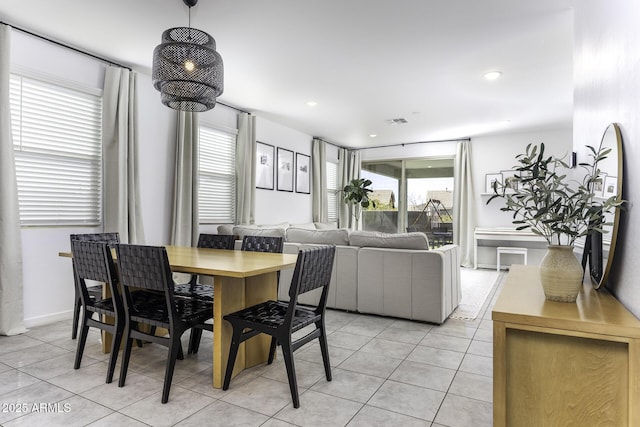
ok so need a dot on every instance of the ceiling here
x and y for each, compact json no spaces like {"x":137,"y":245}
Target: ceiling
{"x":363,"y":61}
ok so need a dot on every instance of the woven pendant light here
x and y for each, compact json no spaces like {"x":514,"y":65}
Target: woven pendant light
{"x":187,"y":70}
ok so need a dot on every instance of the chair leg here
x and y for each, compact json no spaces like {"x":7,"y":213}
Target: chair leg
{"x":128,"y":343}
{"x":324,"y":349}
{"x":84,"y":331}
{"x":291,"y":372}
{"x":174,"y":350}
{"x":272,"y":350}
{"x":233,"y":353}
{"x":76,"y":318}
{"x":194,"y":340}
{"x":115,"y":348}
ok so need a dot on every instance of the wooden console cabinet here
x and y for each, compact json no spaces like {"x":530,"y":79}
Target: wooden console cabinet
{"x":563,"y":364}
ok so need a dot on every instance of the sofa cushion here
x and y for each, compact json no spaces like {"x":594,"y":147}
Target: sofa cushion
{"x":225,"y":229}
{"x":322,"y":237}
{"x":306,"y":226}
{"x":325,"y":225}
{"x":374,"y":239}
{"x":240,"y":231}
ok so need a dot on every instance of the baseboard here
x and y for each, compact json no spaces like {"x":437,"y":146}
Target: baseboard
{"x":49,"y":318}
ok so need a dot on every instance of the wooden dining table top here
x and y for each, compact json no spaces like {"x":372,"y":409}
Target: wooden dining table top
{"x":222,"y":262}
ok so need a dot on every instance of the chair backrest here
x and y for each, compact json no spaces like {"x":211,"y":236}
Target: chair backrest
{"x":145,"y":267}
{"x":312,"y":271}
{"x":93,"y":261}
{"x":216,"y":241}
{"x":111,"y":239}
{"x":262,"y":244}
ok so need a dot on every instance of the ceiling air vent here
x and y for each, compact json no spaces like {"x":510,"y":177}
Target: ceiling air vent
{"x":399,"y":121}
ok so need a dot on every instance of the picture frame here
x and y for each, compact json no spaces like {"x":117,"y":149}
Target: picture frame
{"x":264,"y":165}
{"x":509,"y":180}
{"x":285,"y":170}
{"x":598,"y":187}
{"x":303,"y":167}
{"x":610,"y":186}
{"x":489,"y":179}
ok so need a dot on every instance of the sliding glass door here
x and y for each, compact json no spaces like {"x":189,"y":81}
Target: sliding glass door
{"x":411,"y":195}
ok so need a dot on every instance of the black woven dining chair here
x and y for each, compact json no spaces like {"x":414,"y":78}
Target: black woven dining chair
{"x":148,"y":268}
{"x":201,"y":290}
{"x":93,"y":261}
{"x":280,"y":319}
{"x":94,"y":291}
{"x":262,"y":244}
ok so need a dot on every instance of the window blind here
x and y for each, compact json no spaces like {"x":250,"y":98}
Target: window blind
{"x":332,"y":191}
{"x":217,"y":176}
{"x":57,"y":138}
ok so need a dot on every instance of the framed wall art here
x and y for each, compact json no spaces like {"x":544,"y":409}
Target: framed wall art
{"x":489,"y":179}
{"x":610,"y":186}
{"x":510,"y":180}
{"x":264,"y":166}
{"x":302,"y":173}
{"x":285,"y":170}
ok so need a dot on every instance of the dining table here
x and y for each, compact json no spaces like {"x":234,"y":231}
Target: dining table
{"x":240,"y":279}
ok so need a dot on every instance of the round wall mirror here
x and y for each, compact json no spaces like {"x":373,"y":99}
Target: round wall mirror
{"x":603,"y":244}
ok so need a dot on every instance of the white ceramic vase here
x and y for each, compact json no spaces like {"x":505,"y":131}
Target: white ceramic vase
{"x":561,"y":274}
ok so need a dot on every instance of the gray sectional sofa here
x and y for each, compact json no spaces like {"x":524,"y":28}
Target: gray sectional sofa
{"x":387,"y":274}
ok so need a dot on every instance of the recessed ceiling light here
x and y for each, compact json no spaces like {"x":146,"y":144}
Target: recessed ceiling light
{"x":312,"y":103}
{"x":492,"y":75}
{"x":372,"y":135}
{"x":505,"y":122}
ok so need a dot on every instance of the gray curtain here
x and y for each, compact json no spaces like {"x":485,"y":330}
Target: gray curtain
{"x":348,"y":169}
{"x":319,"y":201}
{"x":11,"y":316}
{"x":120,"y":153}
{"x":184,"y":223}
{"x":464,"y":218}
{"x":245,"y":169}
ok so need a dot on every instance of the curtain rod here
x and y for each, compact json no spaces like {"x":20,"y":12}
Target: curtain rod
{"x":412,"y":143}
{"x":108,"y":61}
{"x":232,"y":107}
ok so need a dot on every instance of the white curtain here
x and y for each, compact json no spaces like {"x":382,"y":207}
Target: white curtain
{"x":184,"y":223}
{"x":464,"y":218}
{"x":348,"y":169}
{"x":245,"y":169}
{"x":120,"y":151}
{"x":11,"y":321}
{"x":319,"y":201}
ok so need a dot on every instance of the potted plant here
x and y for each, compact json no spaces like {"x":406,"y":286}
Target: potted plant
{"x":544,"y":200}
{"x":356,"y":193}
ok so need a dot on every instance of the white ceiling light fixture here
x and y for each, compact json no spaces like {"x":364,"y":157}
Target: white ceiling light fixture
{"x":312,"y":103}
{"x":492,"y":75}
{"x":187,"y":70}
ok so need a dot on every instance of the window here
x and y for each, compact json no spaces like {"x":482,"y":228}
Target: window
{"x":411,"y":195}
{"x":217,"y":175}
{"x":57,"y":139}
{"x":332,"y":191}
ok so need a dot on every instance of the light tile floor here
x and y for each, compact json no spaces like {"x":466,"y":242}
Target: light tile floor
{"x":386,"y":372}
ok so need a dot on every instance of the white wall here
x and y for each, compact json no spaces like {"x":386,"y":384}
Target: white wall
{"x":492,"y":154}
{"x":607,"y":89}
{"x":272,"y":206}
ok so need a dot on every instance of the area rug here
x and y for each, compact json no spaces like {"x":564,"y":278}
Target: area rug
{"x":476,"y":286}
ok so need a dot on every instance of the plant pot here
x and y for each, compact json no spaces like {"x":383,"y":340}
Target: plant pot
{"x":561,"y":274}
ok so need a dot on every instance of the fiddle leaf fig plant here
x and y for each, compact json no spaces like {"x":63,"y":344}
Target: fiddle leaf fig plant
{"x":553,"y":206}
{"x":356,"y":193}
